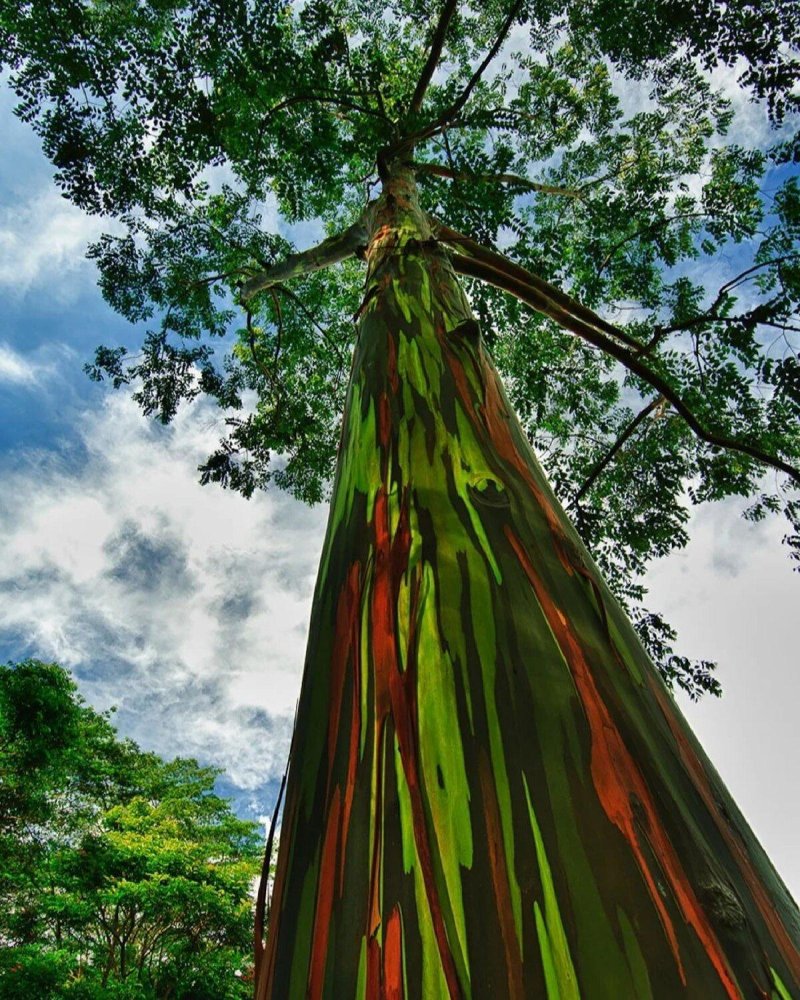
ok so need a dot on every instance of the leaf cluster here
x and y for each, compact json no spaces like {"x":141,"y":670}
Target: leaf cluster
{"x":123,"y":875}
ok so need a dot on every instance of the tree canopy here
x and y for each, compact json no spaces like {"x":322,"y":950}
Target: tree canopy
{"x":569,"y":156}
{"x":121,"y":874}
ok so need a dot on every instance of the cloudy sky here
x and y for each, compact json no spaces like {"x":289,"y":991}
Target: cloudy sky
{"x":187,"y":607}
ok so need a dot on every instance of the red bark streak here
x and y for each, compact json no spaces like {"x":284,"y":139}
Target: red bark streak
{"x":322,"y":917}
{"x":616,"y":778}
{"x":374,"y":912}
{"x":502,"y":892}
{"x":393,"y":958}
{"x":777,"y":930}
{"x":384,"y":421}
{"x":497,"y":424}
{"x":373,"y":984}
{"x":352,"y":761}
{"x":395,"y":692}
{"x":391,"y":363}
{"x":346,"y":632}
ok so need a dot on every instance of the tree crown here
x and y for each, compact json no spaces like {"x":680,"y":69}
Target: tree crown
{"x":587,"y":150}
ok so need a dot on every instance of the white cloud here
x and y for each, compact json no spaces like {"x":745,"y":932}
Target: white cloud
{"x":36,"y":369}
{"x":185,"y":606}
{"x":43,"y":242}
{"x":14,"y":368}
{"x":733,"y":597}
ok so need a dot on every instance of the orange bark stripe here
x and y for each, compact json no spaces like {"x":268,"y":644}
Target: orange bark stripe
{"x":355,"y":733}
{"x":502,"y":892}
{"x":393,"y":988}
{"x":346,"y":615}
{"x":777,"y":930}
{"x":394,"y":694}
{"x":616,"y":777}
{"x":496,"y":425}
{"x":322,"y":917}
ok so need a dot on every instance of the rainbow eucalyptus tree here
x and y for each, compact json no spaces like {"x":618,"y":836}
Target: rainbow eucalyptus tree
{"x":491,"y":791}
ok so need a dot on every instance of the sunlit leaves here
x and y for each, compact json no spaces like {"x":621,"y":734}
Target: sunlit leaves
{"x":122,"y":874}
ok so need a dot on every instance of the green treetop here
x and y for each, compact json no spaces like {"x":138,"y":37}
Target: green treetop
{"x":183,"y":120}
{"x":121,"y":874}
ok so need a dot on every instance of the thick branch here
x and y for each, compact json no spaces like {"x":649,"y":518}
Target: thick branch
{"x":562,"y":303}
{"x":511,"y":179}
{"x":435,"y":54}
{"x":526,"y":287}
{"x":330,"y":251}
{"x":605,"y":460}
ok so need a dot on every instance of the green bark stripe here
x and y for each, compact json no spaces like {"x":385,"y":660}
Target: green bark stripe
{"x":562,"y":983}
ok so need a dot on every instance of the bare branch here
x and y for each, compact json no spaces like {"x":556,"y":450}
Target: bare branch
{"x":459,"y":103}
{"x":512,"y":180}
{"x":604,"y":461}
{"x":330,"y":251}
{"x":447,"y":118}
{"x":342,"y":102}
{"x":435,"y":54}
{"x":528,"y":288}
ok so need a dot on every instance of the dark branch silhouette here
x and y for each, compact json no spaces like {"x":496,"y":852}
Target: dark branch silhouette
{"x":605,"y":460}
{"x":434,"y":55}
{"x":512,"y":180}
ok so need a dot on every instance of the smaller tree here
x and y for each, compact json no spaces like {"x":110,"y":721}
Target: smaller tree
{"x":121,"y":874}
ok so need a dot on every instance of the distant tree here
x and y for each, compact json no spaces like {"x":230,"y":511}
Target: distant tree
{"x":121,"y":875}
{"x":491,"y":792}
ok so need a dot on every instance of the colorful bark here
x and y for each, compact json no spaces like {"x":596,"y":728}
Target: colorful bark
{"x":491,"y":792}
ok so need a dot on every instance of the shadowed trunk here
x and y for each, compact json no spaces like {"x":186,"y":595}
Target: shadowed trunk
{"x":491,"y":792}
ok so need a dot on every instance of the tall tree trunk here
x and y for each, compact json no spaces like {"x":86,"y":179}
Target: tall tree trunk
{"x":491,"y":792}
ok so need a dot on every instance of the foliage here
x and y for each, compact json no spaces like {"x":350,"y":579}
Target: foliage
{"x":121,"y":875}
{"x":591,"y":149}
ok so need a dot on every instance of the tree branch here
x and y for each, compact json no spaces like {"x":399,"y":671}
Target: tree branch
{"x":459,"y":103}
{"x":342,"y":102}
{"x":560,"y":301}
{"x":602,"y":463}
{"x":446,"y":118}
{"x":512,"y":180}
{"x":330,"y":251}
{"x":312,"y":319}
{"x":496,"y":270}
{"x":435,"y":54}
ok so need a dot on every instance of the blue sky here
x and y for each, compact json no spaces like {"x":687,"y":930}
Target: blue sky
{"x":187,"y":607}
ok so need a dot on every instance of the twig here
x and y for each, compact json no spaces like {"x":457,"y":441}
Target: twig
{"x":602,"y":463}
